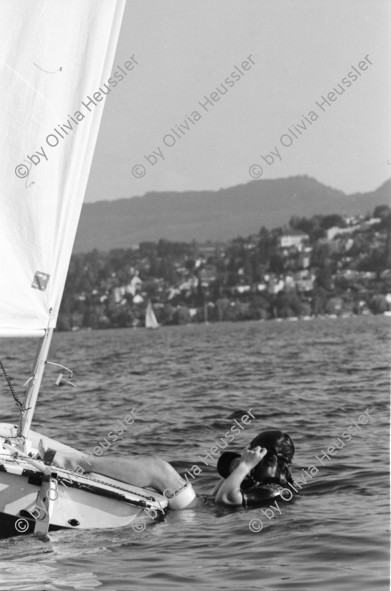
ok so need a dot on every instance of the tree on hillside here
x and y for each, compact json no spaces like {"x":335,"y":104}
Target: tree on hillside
{"x":334,"y":219}
{"x":382,"y":211}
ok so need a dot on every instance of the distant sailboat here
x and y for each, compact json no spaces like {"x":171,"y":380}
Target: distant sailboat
{"x":150,"y":318}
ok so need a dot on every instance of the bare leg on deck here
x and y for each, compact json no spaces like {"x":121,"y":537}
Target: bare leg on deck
{"x":141,"y":471}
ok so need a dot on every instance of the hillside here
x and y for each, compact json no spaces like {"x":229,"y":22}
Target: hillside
{"x":214,"y":215}
{"x":326,"y":265}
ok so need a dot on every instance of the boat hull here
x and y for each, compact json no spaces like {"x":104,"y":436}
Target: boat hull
{"x":77,"y":501}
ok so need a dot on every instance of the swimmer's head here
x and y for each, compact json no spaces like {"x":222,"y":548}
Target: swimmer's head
{"x":274,"y":466}
{"x":277,"y":442}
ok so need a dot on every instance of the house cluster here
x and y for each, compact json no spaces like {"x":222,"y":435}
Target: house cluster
{"x":133,"y":289}
{"x":353,"y":224}
{"x":348,"y":262}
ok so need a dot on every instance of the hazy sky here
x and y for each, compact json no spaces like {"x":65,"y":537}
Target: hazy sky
{"x":300,"y":50}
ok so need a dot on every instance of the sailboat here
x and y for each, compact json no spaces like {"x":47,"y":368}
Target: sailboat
{"x":55,"y":70}
{"x":150,"y":318}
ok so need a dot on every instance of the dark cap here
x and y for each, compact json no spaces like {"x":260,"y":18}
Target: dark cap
{"x":224,"y":463}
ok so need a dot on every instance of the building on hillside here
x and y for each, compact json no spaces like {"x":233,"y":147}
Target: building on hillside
{"x":208,"y":274}
{"x":275,"y":285}
{"x":134,"y":285}
{"x":189,"y":285}
{"x":371,"y":222}
{"x":172,"y":293}
{"x":261,"y":286}
{"x":293,"y":238}
{"x":118,"y":294}
{"x":181,"y":269}
{"x":289,"y":282}
{"x":334,"y":231}
{"x":241,"y":289}
{"x":306,"y":283}
{"x":304,"y":260}
{"x":211,"y":248}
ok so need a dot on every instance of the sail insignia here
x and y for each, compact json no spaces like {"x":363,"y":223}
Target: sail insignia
{"x":40,"y":281}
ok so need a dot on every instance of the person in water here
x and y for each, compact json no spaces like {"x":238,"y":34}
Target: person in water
{"x":257,"y":475}
{"x":250,"y":478}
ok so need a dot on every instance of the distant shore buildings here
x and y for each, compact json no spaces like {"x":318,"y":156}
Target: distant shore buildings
{"x":324,"y":265}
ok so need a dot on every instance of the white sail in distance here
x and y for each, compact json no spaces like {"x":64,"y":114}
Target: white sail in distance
{"x":54,"y":55}
{"x":150,"y":318}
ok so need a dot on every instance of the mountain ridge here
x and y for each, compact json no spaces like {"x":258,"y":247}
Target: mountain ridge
{"x":215,"y":215}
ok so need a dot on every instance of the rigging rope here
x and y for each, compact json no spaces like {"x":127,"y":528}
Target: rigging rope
{"x":12,"y":389}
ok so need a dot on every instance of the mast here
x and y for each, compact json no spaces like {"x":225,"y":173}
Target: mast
{"x":35,"y":382}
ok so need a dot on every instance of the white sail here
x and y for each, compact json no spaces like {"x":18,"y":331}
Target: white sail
{"x":150,"y":318}
{"x":54,"y":55}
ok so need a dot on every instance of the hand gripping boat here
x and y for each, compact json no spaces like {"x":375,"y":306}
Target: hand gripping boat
{"x":53,"y":87}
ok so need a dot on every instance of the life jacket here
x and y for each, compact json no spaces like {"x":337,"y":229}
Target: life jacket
{"x":260,"y":486}
{"x":261,"y":494}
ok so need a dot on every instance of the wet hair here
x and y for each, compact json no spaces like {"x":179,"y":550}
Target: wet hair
{"x":280,"y":451}
{"x":277,"y":441}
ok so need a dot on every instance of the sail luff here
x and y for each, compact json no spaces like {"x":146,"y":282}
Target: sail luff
{"x":82,"y":172}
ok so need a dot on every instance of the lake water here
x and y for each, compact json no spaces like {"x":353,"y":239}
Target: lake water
{"x":187,"y":384}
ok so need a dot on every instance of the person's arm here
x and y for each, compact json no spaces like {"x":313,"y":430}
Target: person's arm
{"x":229,"y":492}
